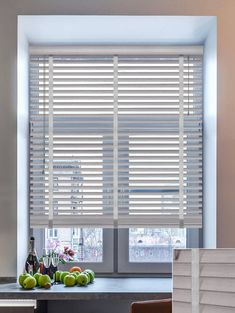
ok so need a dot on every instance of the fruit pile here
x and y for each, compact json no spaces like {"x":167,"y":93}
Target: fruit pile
{"x":29,"y":282}
{"x":75,"y":276}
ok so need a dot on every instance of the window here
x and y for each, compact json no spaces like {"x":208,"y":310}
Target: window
{"x":87,"y":243}
{"x":52,"y":233}
{"x":116,"y":140}
{"x":154,"y":245}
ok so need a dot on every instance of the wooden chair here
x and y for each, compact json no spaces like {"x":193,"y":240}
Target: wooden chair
{"x":153,"y":306}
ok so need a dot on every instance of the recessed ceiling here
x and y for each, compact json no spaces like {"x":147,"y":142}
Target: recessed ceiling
{"x":63,"y":29}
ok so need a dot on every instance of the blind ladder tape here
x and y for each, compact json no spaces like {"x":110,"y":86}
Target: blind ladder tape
{"x":181,"y":141}
{"x":50,"y":144}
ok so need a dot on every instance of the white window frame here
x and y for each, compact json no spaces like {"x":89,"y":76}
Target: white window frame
{"x":116,"y":253}
{"x":106,"y":266}
{"x":150,"y":50}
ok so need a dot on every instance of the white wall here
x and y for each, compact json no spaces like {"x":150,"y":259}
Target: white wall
{"x":48,"y":30}
{"x":115,"y":30}
{"x":210,"y":140}
{"x":22,"y":149}
{"x":9,"y":10}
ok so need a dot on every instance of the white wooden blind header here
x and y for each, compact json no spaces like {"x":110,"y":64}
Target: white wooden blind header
{"x":115,"y":50}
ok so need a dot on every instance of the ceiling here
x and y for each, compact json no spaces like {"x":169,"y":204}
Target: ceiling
{"x":74,"y":29}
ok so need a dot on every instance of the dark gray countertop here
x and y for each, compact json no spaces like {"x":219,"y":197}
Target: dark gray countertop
{"x":102,"y":288}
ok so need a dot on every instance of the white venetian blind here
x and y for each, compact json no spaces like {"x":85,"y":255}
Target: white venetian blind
{"x":160,"y":141}
{"x":81,"y":135}
{"x":116,"y":140}
{"x":204,"y":281}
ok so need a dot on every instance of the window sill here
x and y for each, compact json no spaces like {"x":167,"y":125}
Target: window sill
{"x":103,"y":288}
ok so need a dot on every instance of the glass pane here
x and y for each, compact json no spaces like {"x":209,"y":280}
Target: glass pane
{"x":86,"y":243}
{"x":154,"y":245}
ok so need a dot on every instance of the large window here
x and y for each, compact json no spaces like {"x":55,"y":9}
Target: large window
{"x":116,"y":142}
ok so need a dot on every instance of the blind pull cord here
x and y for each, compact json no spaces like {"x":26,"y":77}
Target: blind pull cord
{"x":181,"y":141}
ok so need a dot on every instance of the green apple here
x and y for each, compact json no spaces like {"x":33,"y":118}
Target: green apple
{"x":69,"y":280}
{"x":91,"y":274}
{"x":82,"y":279}
{"x":57,"y":276}
{"x":62,"y":276}
{"x":44,"y":280}
{"x":36,"y":276}
{"x":22,"y":277}
{"x":75,"y":275}
{"x":88,"y":276}
{"x":29,"y":283}
{"x":47,"y":285}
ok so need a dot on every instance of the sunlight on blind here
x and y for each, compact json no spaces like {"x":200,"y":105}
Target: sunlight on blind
{"x":145,"y":168}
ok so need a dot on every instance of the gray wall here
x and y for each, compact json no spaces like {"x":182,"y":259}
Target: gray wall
{"x":95,"y":306}
{"x":9,"y":9}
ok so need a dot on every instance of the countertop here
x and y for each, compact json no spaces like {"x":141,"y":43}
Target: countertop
{"x":102,"y":288}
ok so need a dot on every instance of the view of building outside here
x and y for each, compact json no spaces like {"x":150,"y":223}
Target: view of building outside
{"x":153,"y":244}
{"x":145,"y":244}
{"x":87,"y":243}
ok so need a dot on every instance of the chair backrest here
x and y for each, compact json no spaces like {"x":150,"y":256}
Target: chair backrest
{"x":153,"y":306}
